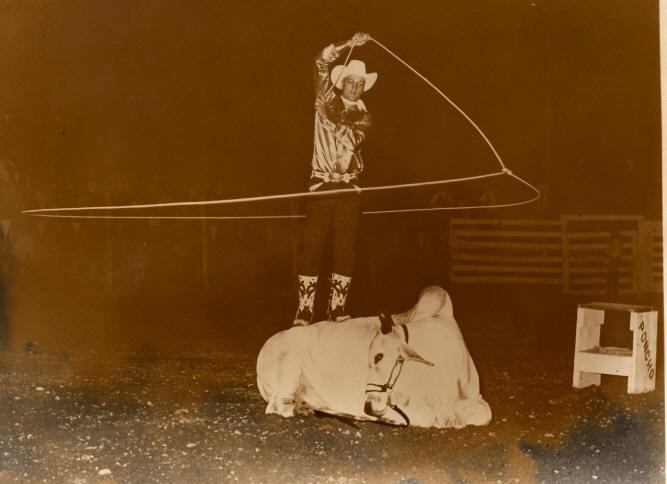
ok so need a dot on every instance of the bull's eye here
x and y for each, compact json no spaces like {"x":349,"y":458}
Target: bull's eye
{"x":378,"y":357}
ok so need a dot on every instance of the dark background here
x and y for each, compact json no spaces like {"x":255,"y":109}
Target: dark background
{"x":128,"y":102}
{"x":197,"y":99}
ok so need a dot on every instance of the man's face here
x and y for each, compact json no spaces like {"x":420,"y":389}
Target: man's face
{"x":353,"y":87}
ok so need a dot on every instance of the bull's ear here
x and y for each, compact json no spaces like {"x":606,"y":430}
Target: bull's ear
{"x":410,"y":354}
{"x":386,"y":323}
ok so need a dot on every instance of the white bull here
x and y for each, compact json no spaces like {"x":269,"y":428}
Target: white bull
{"x":429,"y":381}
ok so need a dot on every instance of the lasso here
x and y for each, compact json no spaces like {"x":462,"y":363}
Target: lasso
{"x":52,"y":212}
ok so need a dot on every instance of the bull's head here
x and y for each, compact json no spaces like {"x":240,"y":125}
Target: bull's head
{"x":388,"y":352}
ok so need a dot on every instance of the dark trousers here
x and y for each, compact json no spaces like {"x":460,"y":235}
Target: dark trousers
{"x":339,"y":216}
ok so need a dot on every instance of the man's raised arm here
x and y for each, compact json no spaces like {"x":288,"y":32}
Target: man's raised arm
{"x":328,"y":55}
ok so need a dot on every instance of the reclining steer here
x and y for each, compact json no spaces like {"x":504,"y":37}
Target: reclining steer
{"x":413,"y":368}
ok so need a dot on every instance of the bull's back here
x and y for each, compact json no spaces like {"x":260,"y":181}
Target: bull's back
{"x":337,"y":364}
{"x":329,"y":358}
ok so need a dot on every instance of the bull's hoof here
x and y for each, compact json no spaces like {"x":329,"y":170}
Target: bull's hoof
{"x":281,"y":406}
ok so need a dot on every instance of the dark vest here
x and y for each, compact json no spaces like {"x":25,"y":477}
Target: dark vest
{"x":336,"y":113}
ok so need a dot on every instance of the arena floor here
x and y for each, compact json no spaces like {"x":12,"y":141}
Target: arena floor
{"x":129,"y":408}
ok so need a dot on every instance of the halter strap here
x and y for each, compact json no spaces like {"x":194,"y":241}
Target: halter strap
{"x":393,"y":379}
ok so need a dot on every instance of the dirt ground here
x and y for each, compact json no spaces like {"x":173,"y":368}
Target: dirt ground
{"x":189,"y":411}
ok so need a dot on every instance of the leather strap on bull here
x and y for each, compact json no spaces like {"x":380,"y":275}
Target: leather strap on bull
{"x":386,"y":326}
{"x":401,"y":413}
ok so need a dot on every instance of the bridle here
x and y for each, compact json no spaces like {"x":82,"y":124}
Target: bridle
{"x":385,"y":387}
{"x":391,"y":381}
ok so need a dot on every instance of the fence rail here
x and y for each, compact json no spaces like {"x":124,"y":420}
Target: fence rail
{"x":582,"y":254}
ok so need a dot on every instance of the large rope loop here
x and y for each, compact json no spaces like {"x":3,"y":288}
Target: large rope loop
{"x":56,"y":212}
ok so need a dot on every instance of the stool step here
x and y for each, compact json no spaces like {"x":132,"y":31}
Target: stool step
{"x":610,"y":350}
{"x":606,"y":360}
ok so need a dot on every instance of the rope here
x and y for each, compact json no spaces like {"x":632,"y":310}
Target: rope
{"x":262,"y":198}
{"x":174,"y":217}
{"x":277,"y":217}
{"x":446,"y":98}
{"x":49,"y":212}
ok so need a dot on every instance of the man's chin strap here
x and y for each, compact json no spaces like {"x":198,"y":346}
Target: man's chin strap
{"x":389,"y":386}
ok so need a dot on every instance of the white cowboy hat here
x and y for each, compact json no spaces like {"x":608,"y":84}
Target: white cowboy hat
{"x":353,"y":68}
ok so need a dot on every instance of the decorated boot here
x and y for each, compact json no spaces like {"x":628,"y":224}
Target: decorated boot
{"x":306,"y":291}
{"x":339,"y":286}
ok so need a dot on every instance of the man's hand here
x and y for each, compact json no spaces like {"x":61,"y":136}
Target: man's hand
{"x":358,"y":39}
{"x":363,"y":123}
{"x":331,"y":53}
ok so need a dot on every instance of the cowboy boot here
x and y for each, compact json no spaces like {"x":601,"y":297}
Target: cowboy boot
{"x":339,"y":286}
{"x":306,"y":292}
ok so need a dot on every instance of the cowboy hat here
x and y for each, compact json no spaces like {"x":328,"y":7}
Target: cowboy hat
{"x":354,"y":68}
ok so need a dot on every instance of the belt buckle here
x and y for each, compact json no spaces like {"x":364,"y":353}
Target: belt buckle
{"x":336,"y":177}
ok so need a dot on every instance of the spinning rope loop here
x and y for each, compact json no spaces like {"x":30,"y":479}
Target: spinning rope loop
{"x":52,"y":212}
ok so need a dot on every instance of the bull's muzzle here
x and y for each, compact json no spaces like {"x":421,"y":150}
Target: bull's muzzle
{"x":376,"y":404}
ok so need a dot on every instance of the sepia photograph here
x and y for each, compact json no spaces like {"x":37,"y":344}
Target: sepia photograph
{"x":349,"y":242}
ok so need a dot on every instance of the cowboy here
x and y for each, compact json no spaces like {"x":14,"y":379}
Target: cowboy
{"x":341,"y":120}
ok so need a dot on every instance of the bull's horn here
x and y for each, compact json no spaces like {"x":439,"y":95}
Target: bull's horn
{"x":386,"y":323}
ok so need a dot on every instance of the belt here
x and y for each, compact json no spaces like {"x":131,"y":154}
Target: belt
{"x":327,"y":177}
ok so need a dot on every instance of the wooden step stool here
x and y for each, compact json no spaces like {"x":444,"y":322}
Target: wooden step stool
{"x":637,"y":363}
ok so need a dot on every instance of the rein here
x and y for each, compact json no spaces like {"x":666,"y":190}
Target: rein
{"x":391,"y":381}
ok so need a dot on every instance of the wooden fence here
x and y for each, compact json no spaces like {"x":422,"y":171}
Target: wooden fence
{"x":580,"y":254}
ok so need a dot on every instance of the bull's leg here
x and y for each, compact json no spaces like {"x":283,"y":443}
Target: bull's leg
{"x":473,"y":412}
{"x":287,"y":377}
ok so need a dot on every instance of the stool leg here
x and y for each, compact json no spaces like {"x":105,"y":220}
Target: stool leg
{"x":654,"y":346}
{"x":587,"y":337}
{"x":643,"y":374}
{"x":583,"y":379}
